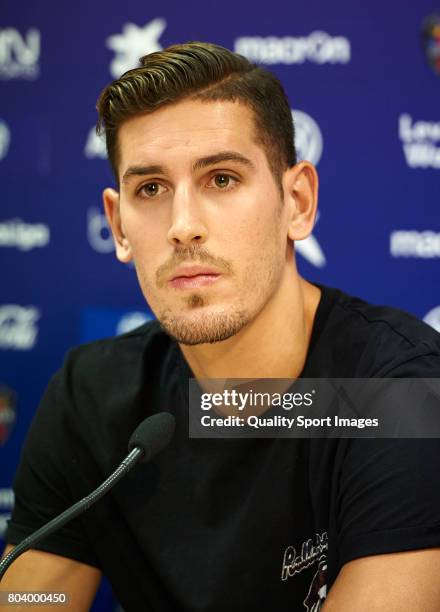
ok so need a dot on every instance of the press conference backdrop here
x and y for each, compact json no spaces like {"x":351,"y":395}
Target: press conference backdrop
{"x":363,"y":81}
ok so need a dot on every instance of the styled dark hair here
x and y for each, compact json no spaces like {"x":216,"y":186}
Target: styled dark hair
{"x":206,"y":72}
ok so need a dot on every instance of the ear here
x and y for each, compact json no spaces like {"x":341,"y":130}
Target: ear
{"x":112,"y":211}
{"x":300,"y":185}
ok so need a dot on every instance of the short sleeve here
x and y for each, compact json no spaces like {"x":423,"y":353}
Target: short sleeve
{"x":389,"y":489}
{"x":42,"y":484}
{"x":389,"y":497}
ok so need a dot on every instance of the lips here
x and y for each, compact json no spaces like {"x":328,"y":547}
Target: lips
{"x":193,"y":277}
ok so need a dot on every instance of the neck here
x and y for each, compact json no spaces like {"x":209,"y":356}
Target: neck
{"x":273,"y":345}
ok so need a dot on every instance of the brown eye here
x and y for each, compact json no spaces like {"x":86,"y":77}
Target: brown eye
{"x":222,"y":180}
{"x":151,"y":189}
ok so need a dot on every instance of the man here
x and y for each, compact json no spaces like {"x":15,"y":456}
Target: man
{"x":210,"y":202}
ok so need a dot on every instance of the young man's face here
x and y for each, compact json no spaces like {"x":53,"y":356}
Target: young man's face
{"x":201,"y":215}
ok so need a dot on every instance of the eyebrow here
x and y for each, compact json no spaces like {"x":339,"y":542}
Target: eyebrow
{"x":202,"y":162}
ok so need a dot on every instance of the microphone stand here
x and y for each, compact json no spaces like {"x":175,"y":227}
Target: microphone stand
{"x":69,"y":514}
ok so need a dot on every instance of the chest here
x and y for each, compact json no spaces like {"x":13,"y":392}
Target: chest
{"x":228,"y":521}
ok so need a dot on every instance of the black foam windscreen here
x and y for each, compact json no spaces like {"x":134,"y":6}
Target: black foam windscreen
{"x":153,"y":434}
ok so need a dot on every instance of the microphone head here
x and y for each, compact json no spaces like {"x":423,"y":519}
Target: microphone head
{"x":153,"y":434}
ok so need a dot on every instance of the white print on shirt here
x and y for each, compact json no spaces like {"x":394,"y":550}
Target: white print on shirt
{"x":318,"y":588}
{"x":310,"y":553}
{"x":294,"y":563}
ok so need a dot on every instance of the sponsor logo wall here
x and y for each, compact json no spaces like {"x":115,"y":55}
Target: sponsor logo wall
{"x":411,"y":243}
{"x":134,"y":42}
{"x":98,"y":231}
{"x":5,"y":139}
{"x":420,"y":142}
{"x":433,"y":318}
{"x":18,"y":327}
{"x":19,"y":53}
{"x":23,"y":236}
{"x":366,"y":114}
{"x":6,"y":503}
{"x":317,"y":48}
{"x":99,"y":323}
{"x":95,"y":145}
{"x":8,"y":413}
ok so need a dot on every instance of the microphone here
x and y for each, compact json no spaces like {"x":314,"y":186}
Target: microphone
{"x":148,"y":439}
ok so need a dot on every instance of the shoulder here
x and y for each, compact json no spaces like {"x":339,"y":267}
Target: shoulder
{"x":108,"y":386}
{"x":120,"y":352}
{"x":115,"y":370}
{"x":376,"y":340}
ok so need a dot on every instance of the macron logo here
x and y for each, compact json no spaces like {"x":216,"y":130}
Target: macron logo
{"x":134,"y":42}
{"x":317,"y":47}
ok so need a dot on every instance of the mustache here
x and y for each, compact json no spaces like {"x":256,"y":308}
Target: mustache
{"x":193,"y":253}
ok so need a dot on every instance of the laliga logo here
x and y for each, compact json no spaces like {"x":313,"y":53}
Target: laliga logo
{"x":309,"y":146}
{"x":5,"y":139}
{"x":133,"y":43}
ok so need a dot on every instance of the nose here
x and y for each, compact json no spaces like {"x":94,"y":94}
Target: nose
{"x":187,"y":225}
